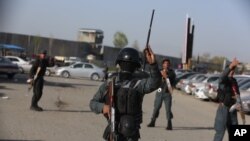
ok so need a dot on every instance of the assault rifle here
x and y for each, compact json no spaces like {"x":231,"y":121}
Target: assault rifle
{"x":170,"y":89}
{"x":31,"y":81}
{"x":111,"y":117}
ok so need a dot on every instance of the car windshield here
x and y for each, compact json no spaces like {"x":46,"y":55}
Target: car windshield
{"x":212,"y":79}
{"x":201,"y":79}
{"x":192,"y":76}
{"x":216,"y":81}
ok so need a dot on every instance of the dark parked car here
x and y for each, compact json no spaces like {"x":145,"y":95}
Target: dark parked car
{"x":8,"y":68}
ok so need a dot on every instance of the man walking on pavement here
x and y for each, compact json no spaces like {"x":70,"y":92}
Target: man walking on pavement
{"x":228,"y":95}
{"x":164,"y":93}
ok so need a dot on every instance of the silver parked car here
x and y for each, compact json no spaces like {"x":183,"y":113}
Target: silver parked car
{"x":193,"y":78}
{"x":81,"y":69}
{"x":245,"y":99}
{"x":179,"y":78}
{"x":24,"y":66}
{"x":211,"y":88}
{"x":199,"y":87}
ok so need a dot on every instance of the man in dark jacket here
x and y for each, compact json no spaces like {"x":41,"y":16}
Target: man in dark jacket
{"x":37,"y":72}
{"x":228,"y":95}
{"x":128,"y":94}
{"x":164,"y":93}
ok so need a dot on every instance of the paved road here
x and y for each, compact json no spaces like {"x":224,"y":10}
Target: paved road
{"x":72,"y":119}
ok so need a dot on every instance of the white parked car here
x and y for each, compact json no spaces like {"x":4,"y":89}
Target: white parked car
{"x":191,"y":86}
{"x":245,"y":98}
{"x":198,"y":84}
{"x":211,"y":88}
{"x":80,"y":69}
{"x":200,"y":94}
{"x":24,"y":66}
{"x":192,"y":78}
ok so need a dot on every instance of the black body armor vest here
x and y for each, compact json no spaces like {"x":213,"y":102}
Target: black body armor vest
{"x":127,"y":100}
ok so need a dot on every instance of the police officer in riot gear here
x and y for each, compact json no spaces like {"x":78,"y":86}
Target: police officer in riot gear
{"x":128,"y":94}
{"x":37,"y":72}
{"x":164,"y":93}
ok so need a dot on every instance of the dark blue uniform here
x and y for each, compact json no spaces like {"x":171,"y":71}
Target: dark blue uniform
{"x":164,"y":95}
{"x":38,"y":82}
{"x":143,"y":87}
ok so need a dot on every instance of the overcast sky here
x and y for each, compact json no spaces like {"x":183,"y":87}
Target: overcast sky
{"x":222,"y":27}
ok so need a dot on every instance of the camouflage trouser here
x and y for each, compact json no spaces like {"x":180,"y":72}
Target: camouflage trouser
{"x":223,"y":120}
{"x":159,"y":98}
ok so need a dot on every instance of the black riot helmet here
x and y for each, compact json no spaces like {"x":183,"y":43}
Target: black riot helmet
{"x":129,"y":55}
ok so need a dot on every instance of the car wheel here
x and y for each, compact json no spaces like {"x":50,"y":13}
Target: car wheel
{"x":95,"y":76}
{"x":47,"y":72}
{"x":65,"y":74}
{"x":11,"y":76}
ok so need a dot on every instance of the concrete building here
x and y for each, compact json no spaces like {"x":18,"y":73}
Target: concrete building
{"x":91,"y":36}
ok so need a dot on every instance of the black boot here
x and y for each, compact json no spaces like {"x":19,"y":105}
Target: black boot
{"x":36,"y":108}
{"x":152,"y":123}
{"x":169,"y":127}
